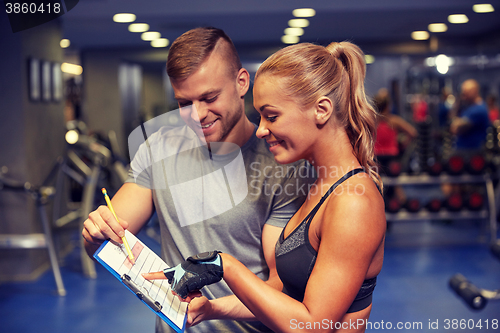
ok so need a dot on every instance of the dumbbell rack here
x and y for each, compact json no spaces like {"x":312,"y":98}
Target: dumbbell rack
{"x":425,"y":179}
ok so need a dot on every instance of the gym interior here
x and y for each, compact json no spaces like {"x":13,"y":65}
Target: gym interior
{"x":74,"y":88}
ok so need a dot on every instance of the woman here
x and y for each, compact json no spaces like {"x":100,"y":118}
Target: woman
{"x":389,"y":128}
{"x":313,"y":106}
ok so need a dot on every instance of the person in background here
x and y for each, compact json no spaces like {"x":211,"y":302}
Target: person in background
{"x":420,"y":108}
{"x":444,"y":108}
{"x":393,"y":132}
{"x":389,"y":126}
{"x":493,"y":111}
{"x":209,"y":84}
{"x":471,"y":125}
{"x":313,"y":106}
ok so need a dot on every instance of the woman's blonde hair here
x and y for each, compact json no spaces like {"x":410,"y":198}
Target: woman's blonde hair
{"x":338,"y":72}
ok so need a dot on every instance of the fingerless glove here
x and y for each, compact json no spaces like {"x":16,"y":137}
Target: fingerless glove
{"x":195,"y":273}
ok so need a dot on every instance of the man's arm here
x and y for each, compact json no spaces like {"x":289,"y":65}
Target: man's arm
{"x":404,"y":126}
{"x":460,"y":125}
{"x":133,"y":205}
{"x":230,"y":307}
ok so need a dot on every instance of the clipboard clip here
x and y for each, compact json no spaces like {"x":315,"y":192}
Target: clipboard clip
{"x":155,"y":305}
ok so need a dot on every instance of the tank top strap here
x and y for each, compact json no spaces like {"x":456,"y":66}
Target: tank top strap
{"x":332,"y":188}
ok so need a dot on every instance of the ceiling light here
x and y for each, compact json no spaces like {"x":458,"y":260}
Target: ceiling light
{"x":430,"y":62}
{"x":458,"y":18}
{"x":437,"y":27}
{"x":443,"y":63}
{"x":160,"y":42}
{"x":483,"y":8}
{"x":64,"y":43}
{"x":443,"y":69}
{"x":304,"y":12}
{"x":369,"y":59}
{"x":71,"y":137}
{"x":298,"y":23}
{"x":138,"y":27}
{"x":124,"y":18}
{"x":420,"y":35}
{"x":294,"y":31}
{"x":71,"y":68}
{"x":442,"y":59}
{"x":150,"y":35}
{"x":289,"y":39}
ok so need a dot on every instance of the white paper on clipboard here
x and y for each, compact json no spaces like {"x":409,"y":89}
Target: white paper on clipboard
{"x":156,"y":294}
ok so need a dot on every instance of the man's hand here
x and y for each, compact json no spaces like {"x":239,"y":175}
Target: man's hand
{"x":134,"y":206}
{"x":102,"y":225}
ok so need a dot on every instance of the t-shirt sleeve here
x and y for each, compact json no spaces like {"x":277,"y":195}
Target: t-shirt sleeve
{"x":140,"y":168}
{"x":478,"y":116}
{"x":290,"y":193}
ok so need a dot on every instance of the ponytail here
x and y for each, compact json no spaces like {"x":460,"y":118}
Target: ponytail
{"x":359,"y":115}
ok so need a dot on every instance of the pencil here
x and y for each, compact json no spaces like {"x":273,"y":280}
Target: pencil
{"x":125,"y":243}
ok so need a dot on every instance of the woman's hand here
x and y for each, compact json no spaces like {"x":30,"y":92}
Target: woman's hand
{"x":193,"y":274}
{"x":199,"y":309}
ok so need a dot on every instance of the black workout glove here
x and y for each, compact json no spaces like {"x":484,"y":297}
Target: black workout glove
{"x":195,"y":273}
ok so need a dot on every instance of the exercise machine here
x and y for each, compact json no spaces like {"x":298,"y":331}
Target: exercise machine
{"x":41,"y":195}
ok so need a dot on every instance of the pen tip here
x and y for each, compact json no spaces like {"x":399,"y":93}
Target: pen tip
{"x":103,"y":191}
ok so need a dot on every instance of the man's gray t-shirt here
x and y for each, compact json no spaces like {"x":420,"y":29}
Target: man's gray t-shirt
{"x":208,"y":202}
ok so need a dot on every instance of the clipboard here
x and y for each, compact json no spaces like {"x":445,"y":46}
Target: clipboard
{"x":156,"y":295}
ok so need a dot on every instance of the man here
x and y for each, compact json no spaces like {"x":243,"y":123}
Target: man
{"x":209,"y":84}
{"x":470,"y":127}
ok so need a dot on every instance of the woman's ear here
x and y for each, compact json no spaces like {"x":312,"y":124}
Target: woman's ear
{"x":323,"y":110}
